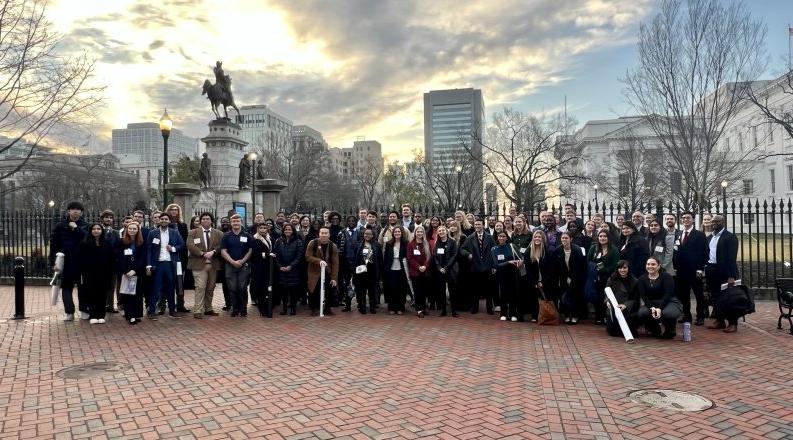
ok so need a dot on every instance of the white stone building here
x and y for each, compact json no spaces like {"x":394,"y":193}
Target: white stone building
{"x":263,"y":128}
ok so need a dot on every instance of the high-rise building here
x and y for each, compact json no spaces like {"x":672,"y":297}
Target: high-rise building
{"x":305,"y":138}
{"x":452,"y":119}
{"x":361,"y":163}
{"x":139,"y":149}
{"x":263,"y":128}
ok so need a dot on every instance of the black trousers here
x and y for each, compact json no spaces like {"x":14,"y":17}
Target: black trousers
{"x":314,"y":297}
{"x":395,"y":286}
{"x":365,"y":287}
{"x":345,"y":283}
{"x":96,"y":301}
{"x":714,"y":280}
{"x":442,"y":282}
{"x":507,"y":286}
{"x":421,"y":286}
{"x":290,"y":295}
{"x":684,"y":284}
{"x":481,"y":286}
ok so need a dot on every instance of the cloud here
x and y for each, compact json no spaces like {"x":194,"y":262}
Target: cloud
{"x":348,"y":67}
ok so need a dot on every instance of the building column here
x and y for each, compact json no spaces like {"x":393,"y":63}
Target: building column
{"x":184,"y":195}
{"x":268,"y":196}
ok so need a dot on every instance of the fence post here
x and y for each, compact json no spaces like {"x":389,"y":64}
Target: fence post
{"x":19,"y":288}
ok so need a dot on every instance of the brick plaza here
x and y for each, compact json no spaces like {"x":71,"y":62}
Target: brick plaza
{"x":380,"y":376}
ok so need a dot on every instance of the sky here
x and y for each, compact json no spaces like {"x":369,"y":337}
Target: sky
{"x":352,"y":68}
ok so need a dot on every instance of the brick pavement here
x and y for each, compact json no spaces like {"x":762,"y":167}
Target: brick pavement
{"x":381,"y":376}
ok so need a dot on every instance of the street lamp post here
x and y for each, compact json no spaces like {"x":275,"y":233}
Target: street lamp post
{"x":459,"y":169}
{"x":165,"y":128}
{"x":724,"y":185}
{"x":253,"y":157}
{"x":595,"y":187}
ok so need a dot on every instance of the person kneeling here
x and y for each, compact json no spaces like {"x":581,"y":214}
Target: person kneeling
{"x":656,"y":289}
{"x":623,"y":284}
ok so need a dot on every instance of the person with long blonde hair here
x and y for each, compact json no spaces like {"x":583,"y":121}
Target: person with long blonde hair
{"x":540,"y":273}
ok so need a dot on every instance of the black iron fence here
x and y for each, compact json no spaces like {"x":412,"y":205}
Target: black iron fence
{"x":764,"y":230}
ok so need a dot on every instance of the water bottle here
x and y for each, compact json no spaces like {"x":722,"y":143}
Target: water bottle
{"x":686,"y":332}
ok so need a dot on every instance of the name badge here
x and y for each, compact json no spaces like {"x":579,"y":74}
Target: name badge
{"x":156,"y":241}
{"x":196,"y":241}
{"x":522,"y":250}
{"x":675,"y":248}
{"x":243,"y":239}
{"x":127,"y":251}
{"x":441,"y":251}
{"x":500,"y":257}
{"x":366,"y":251}
{"x":416,"y":252}
{"x":677,"y":242}
{"x":583,"y":252}
{"x":264,"y":255}
{"x":659,"y":248}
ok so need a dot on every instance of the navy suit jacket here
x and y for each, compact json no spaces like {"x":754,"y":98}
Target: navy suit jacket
{"x":153,"y":250}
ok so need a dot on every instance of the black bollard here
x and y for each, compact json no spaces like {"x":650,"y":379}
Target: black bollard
{"x":19,"y":288}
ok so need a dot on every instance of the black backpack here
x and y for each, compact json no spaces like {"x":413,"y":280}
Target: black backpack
{"x":736,"y":300}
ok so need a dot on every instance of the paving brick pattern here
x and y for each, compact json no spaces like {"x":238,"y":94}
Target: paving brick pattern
{"x":379,"y":376}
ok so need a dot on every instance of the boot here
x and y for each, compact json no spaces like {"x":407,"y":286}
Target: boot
{"x":283,"y":311}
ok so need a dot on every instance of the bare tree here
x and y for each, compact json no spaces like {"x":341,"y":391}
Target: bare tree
{"x":41,"y":91}
{"x":634,"y":175}
{"x":91,"y":179}
{"x":450,"y":188}
{"x":521,"y":156}
{"x":404,"y":183}
{"x":763,"y":98}
{"x":369,"y":182}
{"x":696,"y":65}
{"x":298,"y":167}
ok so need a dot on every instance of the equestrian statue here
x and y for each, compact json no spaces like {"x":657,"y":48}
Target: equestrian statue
{"x":220,"y":92}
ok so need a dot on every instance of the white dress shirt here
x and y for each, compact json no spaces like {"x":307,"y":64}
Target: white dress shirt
{"x":164,"y":238}
{"x":714,"y":242}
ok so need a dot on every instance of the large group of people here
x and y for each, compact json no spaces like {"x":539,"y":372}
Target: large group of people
{"x":402,"y":260}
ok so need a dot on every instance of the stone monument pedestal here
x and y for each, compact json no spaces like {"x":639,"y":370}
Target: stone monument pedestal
{"x":225,"y":148}
{"x":268,"y":196}
{"x":186,"y":196}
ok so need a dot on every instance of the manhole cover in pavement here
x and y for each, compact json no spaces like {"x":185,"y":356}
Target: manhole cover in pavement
{"x":88,"y":371}
{"x":671,"y":399}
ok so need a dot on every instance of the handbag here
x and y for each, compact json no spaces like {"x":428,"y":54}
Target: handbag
{"x":515,"y":255}
{"x":548,"y":315}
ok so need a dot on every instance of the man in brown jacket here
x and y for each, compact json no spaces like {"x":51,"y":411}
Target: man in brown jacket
{"x":321,"y":252}
{"x":203,"y":247}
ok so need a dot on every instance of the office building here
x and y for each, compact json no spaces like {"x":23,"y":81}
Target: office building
{"x":139,"y":148}
{"x":305,"y":138}
{"x":452,"y":119}
{"x":263,"y":128}
{"x":362,"y":161}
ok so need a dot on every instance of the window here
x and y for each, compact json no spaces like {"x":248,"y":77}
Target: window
{"x":740,"y":141}
{"x":623,"y":184}
{"x":675,"y":183}
{"x":748,"y":187}
{"x":790,"y":177}
{"x":727,"y":143}
{"x":772,"y":178}
{"x":770,"y":133}
{"x":754,"y":135}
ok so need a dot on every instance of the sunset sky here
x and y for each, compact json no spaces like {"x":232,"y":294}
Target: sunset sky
{"x":359,"y":68}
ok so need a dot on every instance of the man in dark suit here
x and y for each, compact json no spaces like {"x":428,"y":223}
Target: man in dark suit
{"x":477,"y":250}
{"x":163,"y":247}
{"x":690,"y":256}
{"x":722,"y":267}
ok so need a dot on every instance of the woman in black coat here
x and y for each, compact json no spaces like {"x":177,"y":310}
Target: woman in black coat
{"x":445,"y":264}
{"x":367,"y":271}
{"x":288,"y":251}
{"x":132,"y":266}
{"x":395,"y":272}
{"x":540,"y":266}
{"x":571,"y":266}
{"x":622,"y":283}
{"x":260,"y":269}
{"x":97,"y":269}
{"x":634,"y":249}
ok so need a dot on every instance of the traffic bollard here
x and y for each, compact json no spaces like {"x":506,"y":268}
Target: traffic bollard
{"x":19,"y":288}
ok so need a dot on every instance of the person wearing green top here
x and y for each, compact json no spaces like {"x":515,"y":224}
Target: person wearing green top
{"x":605,"y":257}
{"x":506,"y":264}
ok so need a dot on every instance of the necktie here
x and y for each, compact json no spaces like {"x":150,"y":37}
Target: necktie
{"x":206,"y":243}
{"x":685,"y":237}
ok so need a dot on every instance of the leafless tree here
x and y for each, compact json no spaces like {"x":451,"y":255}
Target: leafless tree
{"x":41,"y":91}
{"x":450,"y":188}
{"x":300,"y":168}
{"x":635,"y":175}
{"x":763,"y":98}
{"x":696,"y":64}
{"x":369,"y":182}
{"x":90,"y":179}
{"x":520,"y":154}
{"x":404,"y":182}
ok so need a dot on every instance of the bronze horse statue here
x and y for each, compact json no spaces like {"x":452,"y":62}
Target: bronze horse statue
{"x":220,"y":95}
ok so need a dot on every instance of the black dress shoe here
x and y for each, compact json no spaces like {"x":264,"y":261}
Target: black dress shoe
{"x":234,"y":314}
{"x":346,"y":309}
{"x":182,"y":309}
{"x":283,"y":312}
{"x":211,"y":313}
{"x":111,"y":310}
{"x":362,"y":310}
{"x":174,"y":315}
{"x":161,"y":311}
{"x":226,"y":308}
{"x":292,"y":311}
{"x":699,"y":321}
{"x":455,"y":315}
{"x":372,"y":310}
{"x":443,"y":313}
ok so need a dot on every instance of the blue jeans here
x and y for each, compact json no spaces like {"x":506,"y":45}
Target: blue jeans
{"x":162,"y":286}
